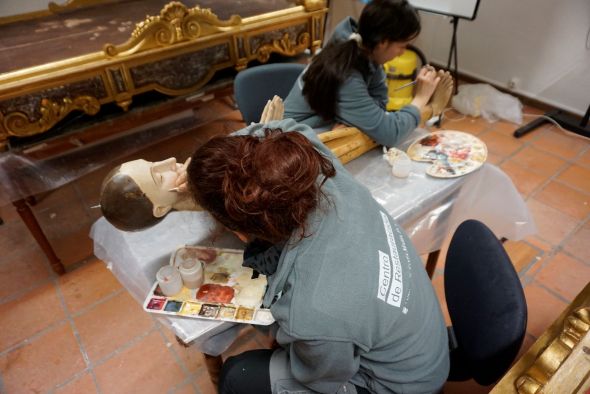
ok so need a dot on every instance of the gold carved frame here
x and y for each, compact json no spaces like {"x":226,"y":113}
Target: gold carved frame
{"x":559,"y":361}
{"x":548,"y":362}
{"x":155,"y":57}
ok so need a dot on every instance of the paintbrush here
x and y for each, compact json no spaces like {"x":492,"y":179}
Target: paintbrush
{"x":405,"y":85}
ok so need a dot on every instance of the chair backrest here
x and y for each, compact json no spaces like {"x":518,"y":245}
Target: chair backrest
{"x":253,"y":87}
{"x":486,"y":305}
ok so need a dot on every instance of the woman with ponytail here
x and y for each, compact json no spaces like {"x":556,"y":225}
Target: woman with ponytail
{"x":349,"y":319}
{"x":345,"y":82}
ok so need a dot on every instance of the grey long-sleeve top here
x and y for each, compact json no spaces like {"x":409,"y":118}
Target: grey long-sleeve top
{"x":353,"y":302}
{"x":362,"y":100}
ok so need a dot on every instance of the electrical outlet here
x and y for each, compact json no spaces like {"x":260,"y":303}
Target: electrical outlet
{"x":513,"y":83}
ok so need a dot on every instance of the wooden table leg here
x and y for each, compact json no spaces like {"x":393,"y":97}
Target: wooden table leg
{"x":30,"y":221}
{"x":213,"y":364}
{"x":431,"y":262}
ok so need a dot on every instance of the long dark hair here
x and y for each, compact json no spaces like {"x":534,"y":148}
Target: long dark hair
{"x":264,"y":187}
{"x":381,"y":20}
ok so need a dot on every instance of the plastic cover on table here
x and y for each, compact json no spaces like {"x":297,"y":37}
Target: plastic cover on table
{"x":430,"y":209}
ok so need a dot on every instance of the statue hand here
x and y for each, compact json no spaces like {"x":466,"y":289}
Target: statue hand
{"x":273,"y":110}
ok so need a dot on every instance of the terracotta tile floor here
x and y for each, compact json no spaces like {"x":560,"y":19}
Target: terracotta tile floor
{"x":83,"y":333}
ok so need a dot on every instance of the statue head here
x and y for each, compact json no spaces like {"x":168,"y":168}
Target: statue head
{"x":137,"y":194}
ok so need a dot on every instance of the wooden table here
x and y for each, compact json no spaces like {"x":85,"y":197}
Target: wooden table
{"x":559,"y":361}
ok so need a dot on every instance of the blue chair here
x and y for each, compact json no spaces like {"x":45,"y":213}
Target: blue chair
{"x":486,"y":305}
{"x":253,"y":87}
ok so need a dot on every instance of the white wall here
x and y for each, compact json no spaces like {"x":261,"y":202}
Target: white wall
{"x":544,"y":44}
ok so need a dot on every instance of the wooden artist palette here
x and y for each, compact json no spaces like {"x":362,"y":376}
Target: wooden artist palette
{"x":452,"y":153}
{"x":227,"y":294}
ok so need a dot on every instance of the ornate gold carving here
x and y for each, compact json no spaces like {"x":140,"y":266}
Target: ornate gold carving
{"x":553,"y":356}
{"x":124,"y":103}
{"x":18,"y":124}
{"x":176,"y":23}
{"x":314,"y":5}
{"x":284,"y":46}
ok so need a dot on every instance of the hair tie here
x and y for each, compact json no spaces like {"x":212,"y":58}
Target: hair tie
{"x":356,"y":37}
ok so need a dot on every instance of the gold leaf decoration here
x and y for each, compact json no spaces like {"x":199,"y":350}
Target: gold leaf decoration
{"x":284,"y":46}
{"x":176,"y":23}
{"x":575,"y":327}
{"x":314,"y":5}
{"x":19,"y":125}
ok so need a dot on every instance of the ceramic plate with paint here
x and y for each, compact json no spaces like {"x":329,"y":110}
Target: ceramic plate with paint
{"x":452,"y":153}
{"x":227,"y":291}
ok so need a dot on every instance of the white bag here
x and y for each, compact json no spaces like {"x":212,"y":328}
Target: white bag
{"x":483,"y":99}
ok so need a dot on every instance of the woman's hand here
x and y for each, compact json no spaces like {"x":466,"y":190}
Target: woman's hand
{"x":427,"y":80}
{"x":181,"y":184}
{"x":273,"y":110}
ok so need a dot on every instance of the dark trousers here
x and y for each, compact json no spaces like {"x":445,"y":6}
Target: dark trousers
{"x":249,"y":373}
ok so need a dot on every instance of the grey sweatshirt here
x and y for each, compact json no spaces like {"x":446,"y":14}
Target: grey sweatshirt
{"x":361,"y":102}
{"x":353,"y":302}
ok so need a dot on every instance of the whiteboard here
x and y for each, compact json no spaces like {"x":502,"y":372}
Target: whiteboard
{"x":466,"y":9}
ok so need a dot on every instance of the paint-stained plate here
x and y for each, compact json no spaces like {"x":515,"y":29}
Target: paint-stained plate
{"x":452,"y":153}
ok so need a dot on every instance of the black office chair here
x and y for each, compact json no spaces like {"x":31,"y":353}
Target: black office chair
{"x":253,"y":87}
{"x":486,"y":304}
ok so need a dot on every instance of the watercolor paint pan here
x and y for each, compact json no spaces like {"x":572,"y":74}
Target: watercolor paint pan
{"x":223,"y":273}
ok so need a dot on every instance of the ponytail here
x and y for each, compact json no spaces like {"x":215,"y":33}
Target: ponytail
{"x":326,"y":73}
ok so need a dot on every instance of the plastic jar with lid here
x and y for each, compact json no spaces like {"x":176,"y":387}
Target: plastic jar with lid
{"x":192,"y":273}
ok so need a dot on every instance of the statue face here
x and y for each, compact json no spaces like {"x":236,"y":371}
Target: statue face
{"x":155,"y":179}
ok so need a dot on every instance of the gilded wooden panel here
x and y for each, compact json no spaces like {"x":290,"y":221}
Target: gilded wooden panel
{"x":175,"y":52}
{"x":181,"y":72}
{"x":37,"y":112}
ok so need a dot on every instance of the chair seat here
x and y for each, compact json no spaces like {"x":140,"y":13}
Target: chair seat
{"x":253,"y":87}
{"x":486,"y":304}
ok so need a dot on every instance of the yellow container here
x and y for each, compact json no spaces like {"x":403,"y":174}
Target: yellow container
{"x":400,"y":71}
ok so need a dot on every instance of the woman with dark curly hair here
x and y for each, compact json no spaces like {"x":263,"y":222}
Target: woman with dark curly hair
{"x":354,"y":308}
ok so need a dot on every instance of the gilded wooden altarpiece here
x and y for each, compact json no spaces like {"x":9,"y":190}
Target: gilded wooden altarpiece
{"x":176,"y":52}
